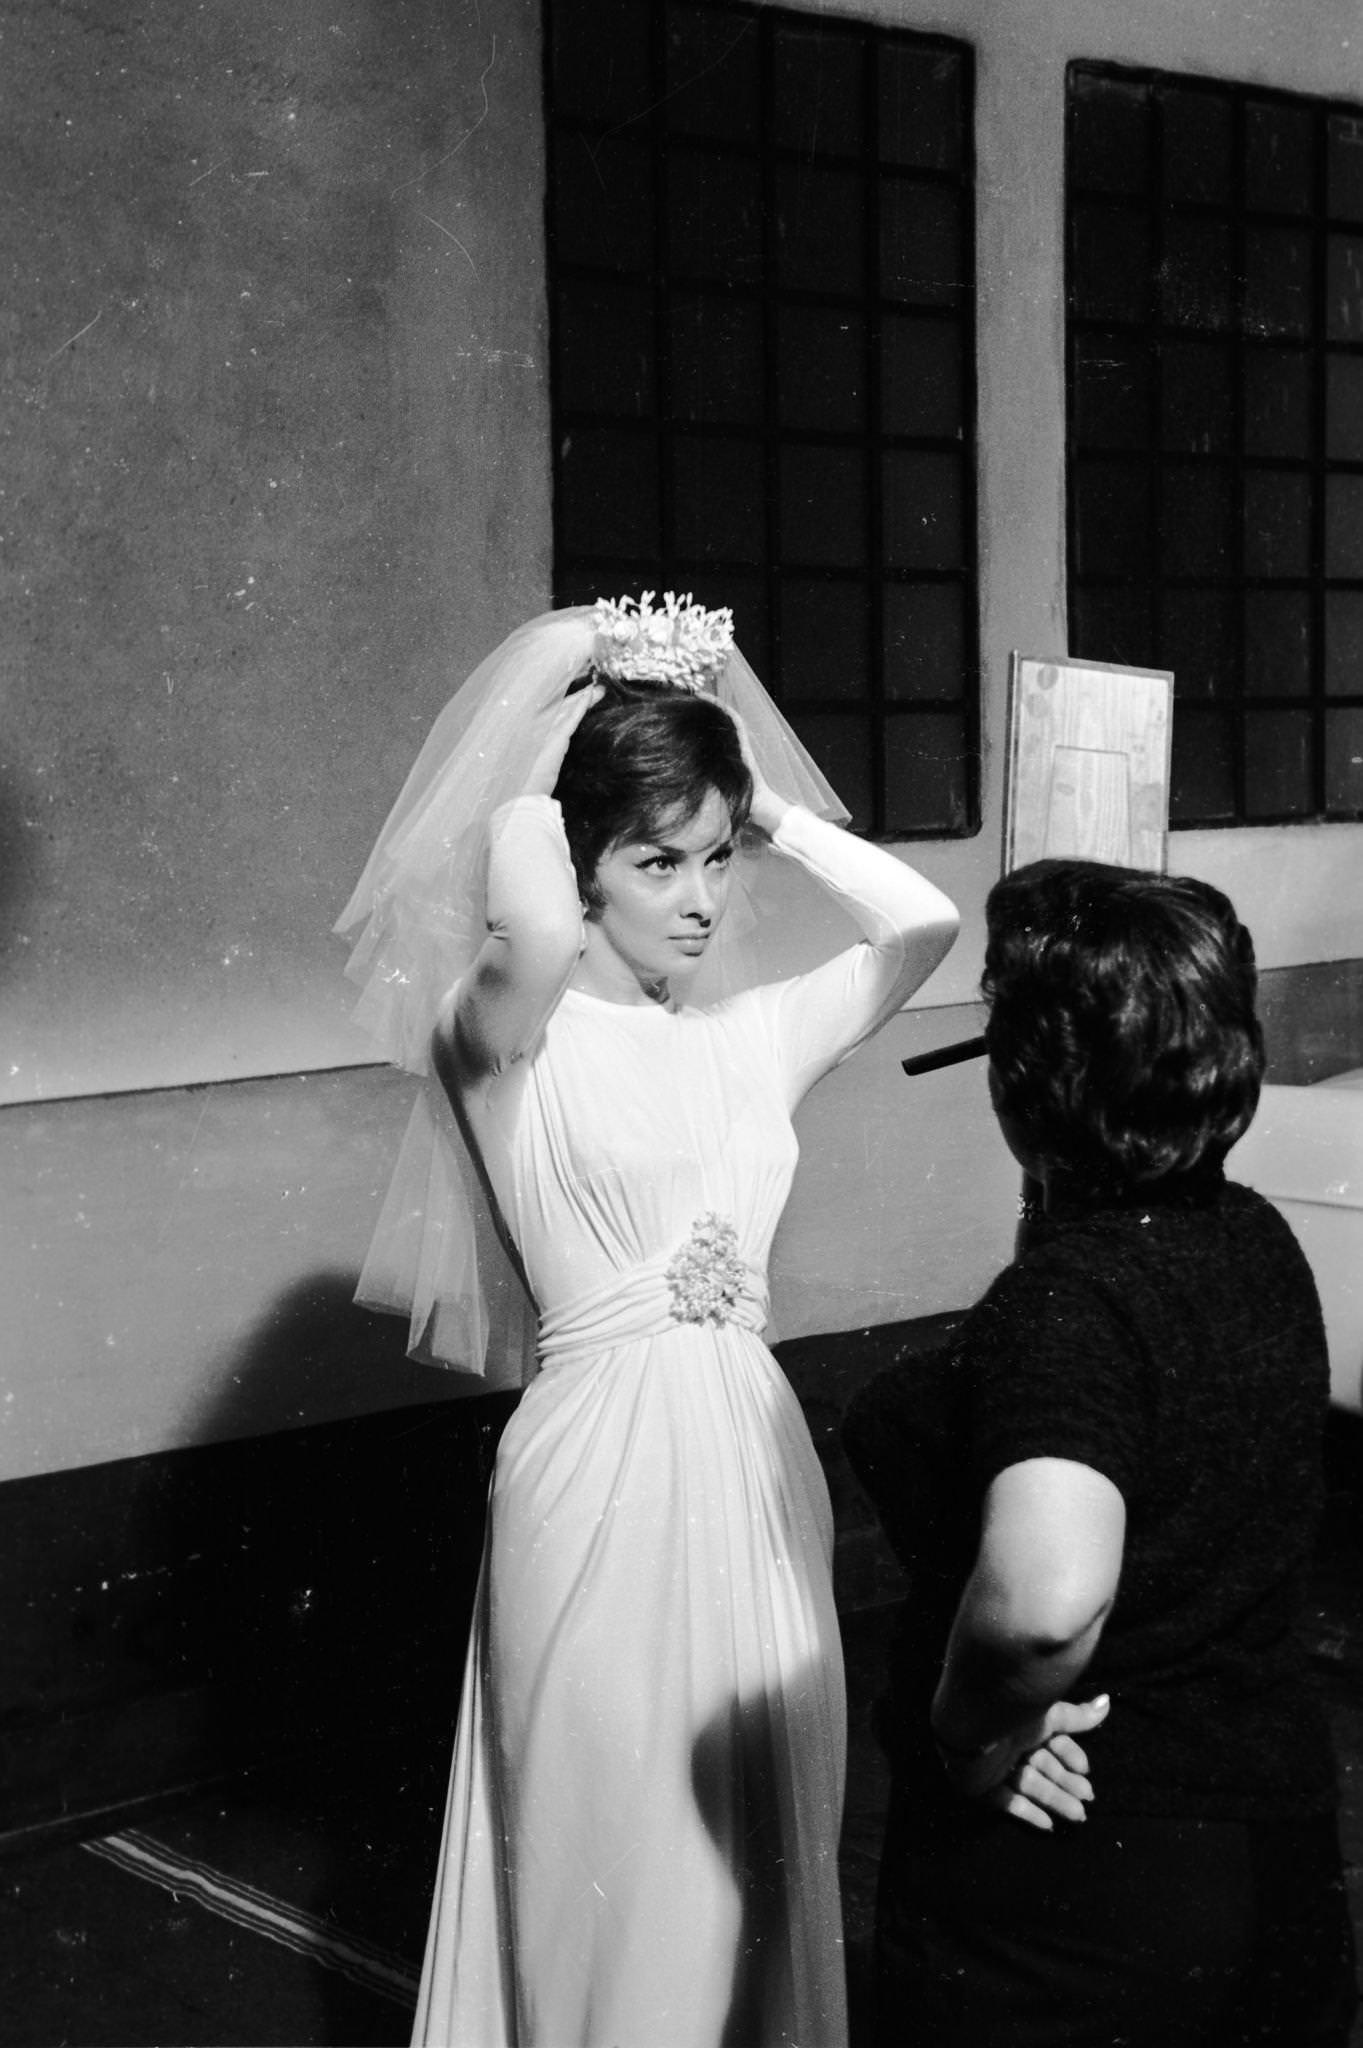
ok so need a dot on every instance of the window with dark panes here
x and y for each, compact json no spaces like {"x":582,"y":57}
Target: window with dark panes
{"x":1215,"y":328}
{"x":760,"y":238}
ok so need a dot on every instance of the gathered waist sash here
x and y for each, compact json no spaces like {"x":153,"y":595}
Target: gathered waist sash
{"x":705,"y":1280}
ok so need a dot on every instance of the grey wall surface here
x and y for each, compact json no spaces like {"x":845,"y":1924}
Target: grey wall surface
{"x":271,"y":479}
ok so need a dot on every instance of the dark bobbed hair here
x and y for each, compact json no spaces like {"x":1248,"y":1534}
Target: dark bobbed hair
{"x":1122,"y":1031}
{"x":641,"y":761}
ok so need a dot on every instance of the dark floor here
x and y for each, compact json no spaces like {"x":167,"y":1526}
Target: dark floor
{"x":291,"y":1911}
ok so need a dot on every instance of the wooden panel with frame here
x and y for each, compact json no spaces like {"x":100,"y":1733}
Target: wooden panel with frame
{"x":1088,"y":763}
{"x":1087,"y":776}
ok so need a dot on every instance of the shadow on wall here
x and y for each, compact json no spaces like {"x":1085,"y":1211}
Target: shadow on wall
{"x":346,"y":1550}
{"x":315,"y":1357}
{"x":308,"y":1631}
{"x":255,"y":1602}
{"x":179,"y":1618}
{"x":352,"y":1552}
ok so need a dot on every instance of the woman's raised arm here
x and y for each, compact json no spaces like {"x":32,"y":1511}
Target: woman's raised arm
{"x":908,"y":928}
{"x":497,"y":1010}
{"x":495,"y":1013}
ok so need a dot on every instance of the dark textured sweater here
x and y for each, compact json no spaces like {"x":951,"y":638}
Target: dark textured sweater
{"x":1173,"y":1342}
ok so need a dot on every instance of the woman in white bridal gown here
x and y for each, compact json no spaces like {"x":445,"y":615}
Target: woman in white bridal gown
{"x":640,"y":1848}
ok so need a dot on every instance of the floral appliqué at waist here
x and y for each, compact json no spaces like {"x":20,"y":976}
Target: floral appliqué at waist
{"x":705,"y":1278}
{"x":705,"y":1282}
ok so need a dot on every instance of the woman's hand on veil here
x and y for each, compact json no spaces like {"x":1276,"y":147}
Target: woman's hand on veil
{"x":768,"y":808}
{"x":559,"y":724}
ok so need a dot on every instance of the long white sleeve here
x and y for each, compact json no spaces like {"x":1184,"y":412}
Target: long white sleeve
{"x":534,"y":940}
{"x":909,"y":925}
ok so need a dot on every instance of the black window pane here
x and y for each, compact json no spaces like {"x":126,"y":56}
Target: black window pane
{"x":1344,"y":763}
{"x":1255,"y":479}
{"x":599,"y":58}
{"x":1199,"y":642}
{"x":842,"y":748}
{"x":605,"y":348}
{"x":720,"y":499}
{"x":583,"y":585}
{"x":825,"y":639}
{"x":823,"y":507}
{"x":746,"y":597}
{"x":1344,"y":643}
{"x":1277,"y":523}
{"x":729,"y":285}
{"x":713,"y":79}
{"x":1113,"y":624}
{"x":1344,"y":166}
{"x":923,"y":509}
{"x":1198,"y":528}
{"x":1197,"y":397}
{"x":1198,"y":146}
{"x":925,"y":641}
{"x":1202,"y":770}
{"x":717,"y":363}
{"x":1111,"y":391}
{"x":926,"y":768}
{"x":820,"y":222}
{"x":602,"y":204}
{"x":1197,"y":276}
{"x":922,"y":382}
{"x":1109,"y":275}
{"x":1344,"y":288}
{"x":923,"y":252}
{"x":821,"y":368}
{"x":1278,"y":764}
{"x":1279,"y":157}
{"x":1277,"y":401}
{"x":817,"y":94}
{"x":714,"y":217}
{"x":1344,"y":408}
{"x":607,"y":499}
{"x":920,"y":103}
{"x":1278,"y":281}
{"x":1344,"y":526}
{"x":1109,"y":145}
{"x":1277,"y":643}
{"x":1112,"y":530}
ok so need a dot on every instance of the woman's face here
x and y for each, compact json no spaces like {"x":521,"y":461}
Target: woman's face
{"x":662,"y":902}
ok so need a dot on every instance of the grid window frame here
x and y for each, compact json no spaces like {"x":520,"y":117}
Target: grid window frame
{"x":806,"y":369}
{"x":1214,"y":425}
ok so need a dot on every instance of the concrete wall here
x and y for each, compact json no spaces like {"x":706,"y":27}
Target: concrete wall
{"x":275,"y":474}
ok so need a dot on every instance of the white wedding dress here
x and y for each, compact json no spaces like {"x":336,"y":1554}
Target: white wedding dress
{"x":641,"y":1843}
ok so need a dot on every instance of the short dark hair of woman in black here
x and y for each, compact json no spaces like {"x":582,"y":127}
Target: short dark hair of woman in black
{"x":1122,"y":1033}
{"x":642,"y":759}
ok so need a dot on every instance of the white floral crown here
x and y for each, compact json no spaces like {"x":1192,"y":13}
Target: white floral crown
{"x":682,"y":643}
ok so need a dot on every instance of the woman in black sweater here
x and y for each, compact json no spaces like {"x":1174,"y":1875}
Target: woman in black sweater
{"x":1109,"y":1484}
